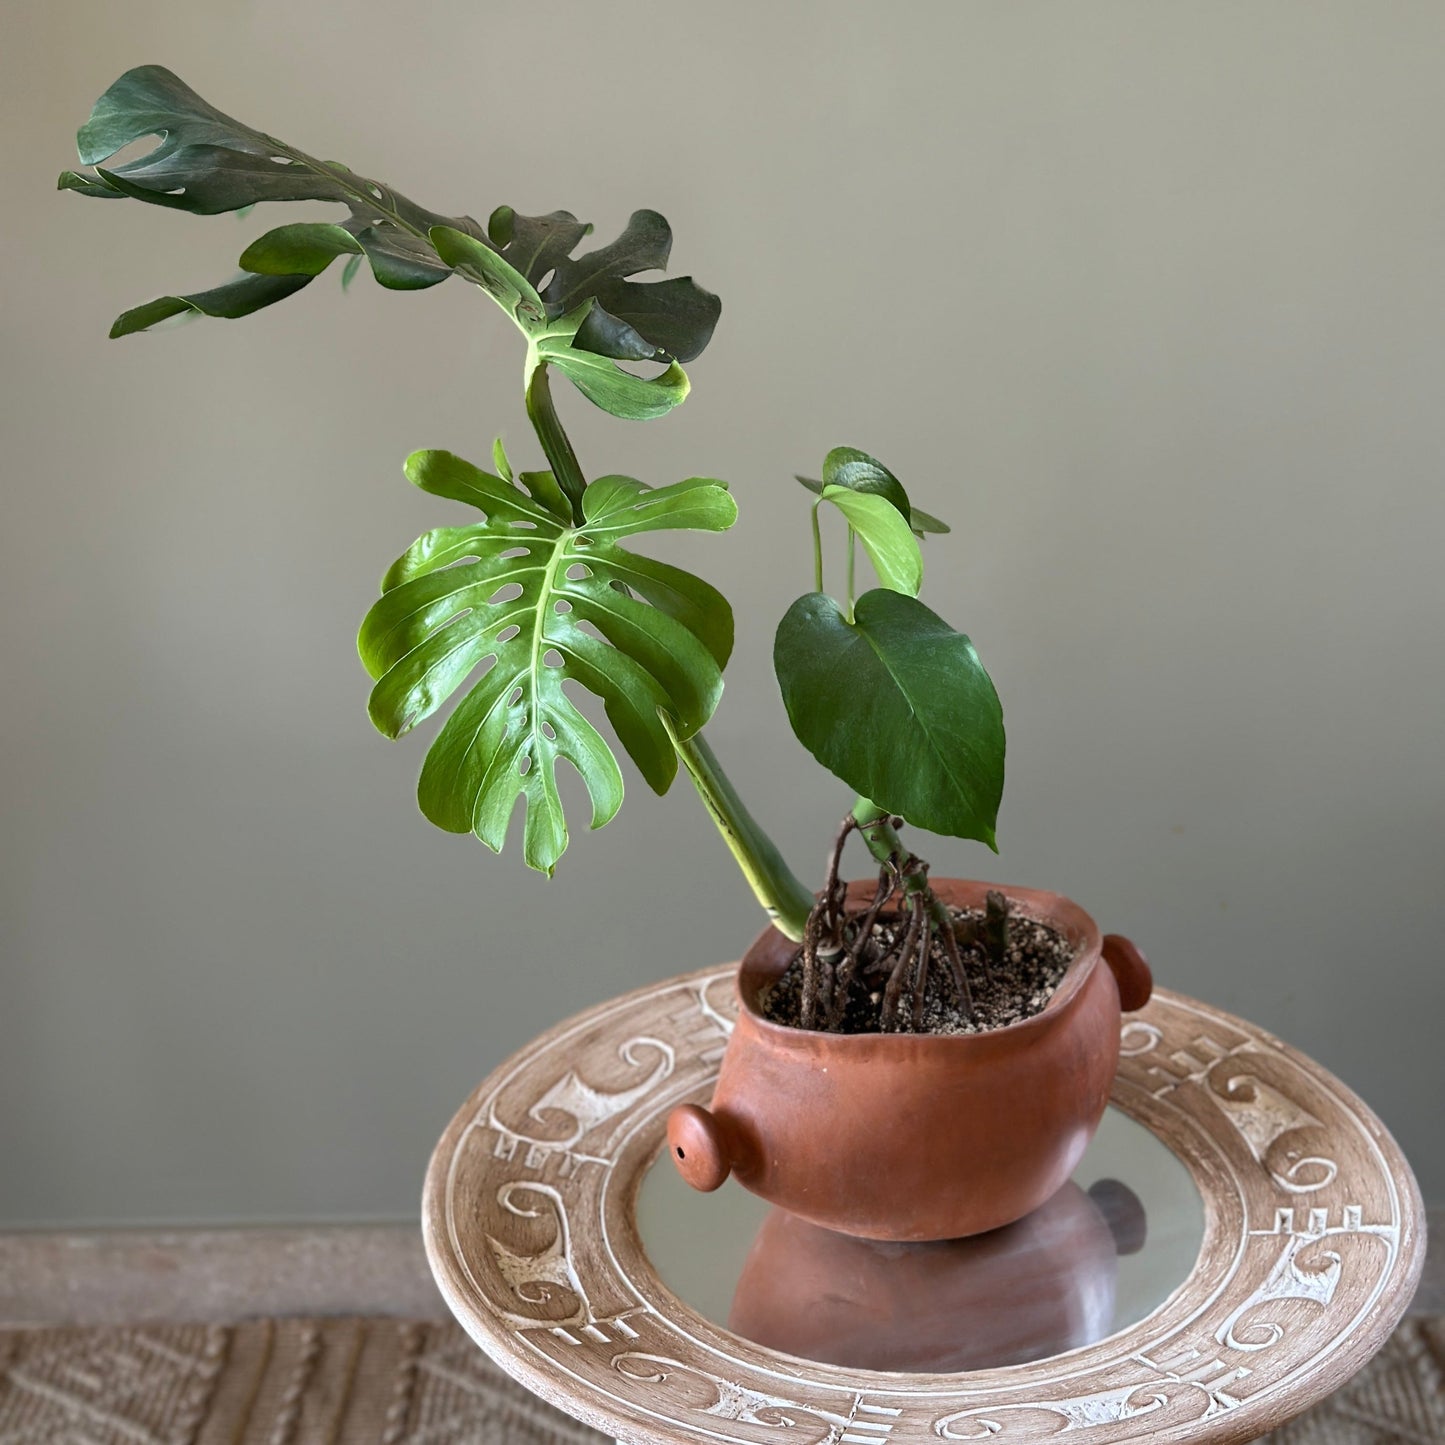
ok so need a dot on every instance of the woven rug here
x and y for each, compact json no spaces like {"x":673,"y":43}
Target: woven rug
{"x":390,"y":1382}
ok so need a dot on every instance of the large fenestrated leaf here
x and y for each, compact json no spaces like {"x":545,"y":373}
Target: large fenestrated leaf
{"x":897,"y":705}
{"x":536,"y":602}
{"x":207,"y":162}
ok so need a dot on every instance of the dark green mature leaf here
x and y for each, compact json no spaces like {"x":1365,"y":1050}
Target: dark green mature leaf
{"x":556,"y":340}
{"x":629,"y":320}
{"x":207,"y":162}
{"x":306,"y":249}
{"x":525,"y":596}
{"x":236,"y":298}
{"x":478,"y":260}
{"x":897,"y":705}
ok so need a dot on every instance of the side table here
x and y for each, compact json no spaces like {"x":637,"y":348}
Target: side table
{"x":1310,"y":1243}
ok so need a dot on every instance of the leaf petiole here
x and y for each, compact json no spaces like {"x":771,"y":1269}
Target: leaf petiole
{"x":556,"y":446}
{"x":817,"y":548}
{"x":784,"y":898}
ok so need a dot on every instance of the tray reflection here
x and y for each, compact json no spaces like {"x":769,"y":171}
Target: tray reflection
{"x":1105,"y":1251}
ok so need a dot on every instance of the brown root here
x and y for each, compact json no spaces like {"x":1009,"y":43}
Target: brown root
{"x":995,"y":927}
{"x":839,"y":952}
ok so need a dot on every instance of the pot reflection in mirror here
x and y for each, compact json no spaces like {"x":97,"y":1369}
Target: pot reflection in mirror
{"x":1079,"y":1257}
{"x":1035,"y":1288}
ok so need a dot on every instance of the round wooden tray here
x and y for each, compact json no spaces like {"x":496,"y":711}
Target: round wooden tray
{"x":1313,"y":1244}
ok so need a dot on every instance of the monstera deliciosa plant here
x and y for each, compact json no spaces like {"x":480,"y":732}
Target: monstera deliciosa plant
{"x":537,"y":586}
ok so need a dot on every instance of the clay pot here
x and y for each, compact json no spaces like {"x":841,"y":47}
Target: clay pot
{"x":1035,"y":1288}
{"x":916,"y":1136}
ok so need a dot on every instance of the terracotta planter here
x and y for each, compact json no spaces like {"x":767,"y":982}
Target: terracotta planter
{"x":916,"y":1137}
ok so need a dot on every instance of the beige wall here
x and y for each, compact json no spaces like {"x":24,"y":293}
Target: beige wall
{"x":1149,"y":299}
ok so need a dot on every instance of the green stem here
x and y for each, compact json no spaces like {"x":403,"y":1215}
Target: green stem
{"x":785,"y":900}
{"x":876,"y":826}
{"x":852,"y":549}
{"x":817,"y":551}
{"x":542,"y":412}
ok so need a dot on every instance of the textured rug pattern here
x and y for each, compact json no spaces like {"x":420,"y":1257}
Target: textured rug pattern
{"x":390,"y":1382}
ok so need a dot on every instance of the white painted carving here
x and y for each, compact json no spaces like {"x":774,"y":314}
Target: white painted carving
{"x":1261,"y":1113}
{"x":1137,"y":1037}
{"x":1208,"y":1374}
{"x":1290,"y":1279}
{"x":723,"y":1023}
{"x":1106,"y":1407}
{"x":1290,"y":1178}
{"x":1297,"y":1276}
{"x":748,"y":1406}
{"x":543,"y":1278}
{"x":572,"y":1098}
{"x":1184,"y":1375}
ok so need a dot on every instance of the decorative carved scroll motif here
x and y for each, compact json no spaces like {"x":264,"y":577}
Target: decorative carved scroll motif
{"x":1187,"y":1386}
{"x":1229,"y":1076}
{"x":710,"y":1394}
{"x":706,"y":1021}
{"x":581,"y":1108}
{"x":1107,"y":1407}
{"x":1302,"y":1273}
{"x":1137,"y":1037}
{"x":1263,"y":1116}
{"x":546,"y":1280}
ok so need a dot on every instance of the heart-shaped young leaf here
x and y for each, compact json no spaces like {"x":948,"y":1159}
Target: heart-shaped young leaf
{"x":538,"y":603}
{"x":919,"y":520}
{"x":858,"y":472}
{"x":897,"y":705}
{"x":885,"y":534}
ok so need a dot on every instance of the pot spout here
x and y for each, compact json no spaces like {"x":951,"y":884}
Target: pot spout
{"x":704,"y":1147}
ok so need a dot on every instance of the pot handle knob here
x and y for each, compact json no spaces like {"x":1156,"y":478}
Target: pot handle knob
{"x":1131,"y":971}
{"x":698,"y":1148}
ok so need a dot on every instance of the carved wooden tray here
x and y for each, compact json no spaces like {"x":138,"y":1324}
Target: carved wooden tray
{"x":1313,"y":1244}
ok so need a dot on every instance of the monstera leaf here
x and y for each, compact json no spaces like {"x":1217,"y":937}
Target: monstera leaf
{"x":886,"y":537}
{"x":589,"y":314}
{"x":540,"y":602}
{"x":856,"y":471}
{"x":629,"y":320}
{"x":206,"y":163}
{"x":553,"y":342}
{"x":897,"y":705}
